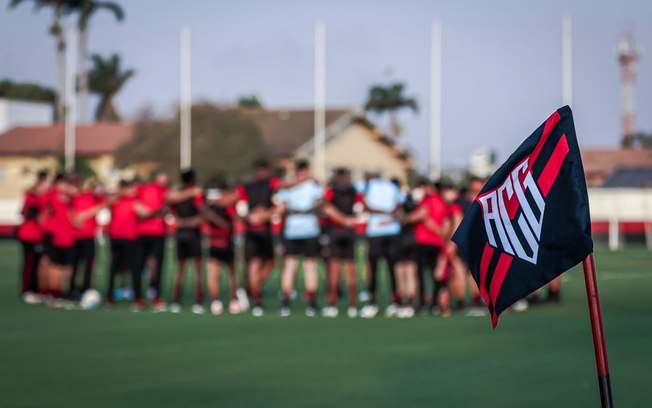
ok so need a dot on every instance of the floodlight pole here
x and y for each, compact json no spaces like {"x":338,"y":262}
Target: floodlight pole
{"x":567,"y":60}
{"x":435,"y":100}
{"x":70,"y":103}
{"x":319,"y":161}
{"x":185,"y":152}
{"x":599,"y":343}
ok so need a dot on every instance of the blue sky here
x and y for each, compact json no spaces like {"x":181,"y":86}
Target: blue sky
{"x":501,"y":59}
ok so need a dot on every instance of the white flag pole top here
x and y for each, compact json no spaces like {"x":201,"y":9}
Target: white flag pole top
{"x":567,"y":60}
{"x":185,"y":99}
{"x":70,"y":104}
{"x":435,"y":100}
{"x":319,"y":161}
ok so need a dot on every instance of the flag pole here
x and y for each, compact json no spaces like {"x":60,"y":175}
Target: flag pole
{"x":185,"y":152}
{"x":599,"y":343}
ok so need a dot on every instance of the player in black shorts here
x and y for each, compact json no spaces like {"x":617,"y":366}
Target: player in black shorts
{"x":406,"y":267}
{"x":186,"y":205}
{"x":339,"y":201}
{"x":220,"y":200}
{"x":255,"y":207}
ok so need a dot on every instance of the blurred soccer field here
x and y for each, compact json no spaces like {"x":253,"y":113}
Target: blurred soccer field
{"x":540,"y":358}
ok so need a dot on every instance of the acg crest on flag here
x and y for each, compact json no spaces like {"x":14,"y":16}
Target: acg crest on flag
{"x":530,"y":222}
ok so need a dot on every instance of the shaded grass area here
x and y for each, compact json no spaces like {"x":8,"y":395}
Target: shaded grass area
{"x":540,"y":358}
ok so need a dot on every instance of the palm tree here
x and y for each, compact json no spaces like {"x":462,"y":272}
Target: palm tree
{"x":106,"y":79}
{"x":85,"y":9}
{"x":59,"y":8}
{"x":390,"y":99}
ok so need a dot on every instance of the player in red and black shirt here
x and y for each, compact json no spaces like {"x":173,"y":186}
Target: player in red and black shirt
{"x":340,"y":199}
{"x":63,"y":234}
{"x":256,"y":208}
{"x":125,"y":247}
{"x":187,"y":204}
{"x":85,"y":206}
{"x":152,"y":232}
{"x":221,"y":203}
{"x":30,"y":235}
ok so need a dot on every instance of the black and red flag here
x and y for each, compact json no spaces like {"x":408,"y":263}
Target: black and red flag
{"x":530,"y":223}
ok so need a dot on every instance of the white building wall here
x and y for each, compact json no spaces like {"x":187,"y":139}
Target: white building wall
{"x":19,"y":113}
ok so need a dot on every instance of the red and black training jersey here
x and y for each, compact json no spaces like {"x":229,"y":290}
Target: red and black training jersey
{"x":82,"y":202}
{"x":343,"y":197}
{"x":152,"y":195}
{"x":258,"y":193}
{"x":124,"y":220}
{"x":219,"y":237}
{"x":63,"y":231}
{"x":30,"y":230}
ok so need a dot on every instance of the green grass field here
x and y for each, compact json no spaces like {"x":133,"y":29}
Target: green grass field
{"x":540,"y":358}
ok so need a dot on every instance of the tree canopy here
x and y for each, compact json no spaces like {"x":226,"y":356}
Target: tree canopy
{"x":26,"y":91}
{"x":224,"y":142}
{"x":106,"y":79}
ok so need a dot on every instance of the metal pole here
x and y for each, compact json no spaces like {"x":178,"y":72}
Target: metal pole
{"x":567,"y":60}
{"x":599,"y":344}
{"x":435,"y":100}
{"x":70,"y":103}
{"x":185,"y":159}
{"x":320,"y":101}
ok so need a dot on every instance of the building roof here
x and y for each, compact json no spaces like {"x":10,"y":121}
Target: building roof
{"x":285,"y":130}
{"x":638,"y":177}
{"x":95,"y":139}
{"x":604,"y":161}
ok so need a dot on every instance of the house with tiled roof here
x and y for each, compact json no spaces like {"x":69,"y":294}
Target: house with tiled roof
{"x":24,"y":150}
{"x":351,"y":141}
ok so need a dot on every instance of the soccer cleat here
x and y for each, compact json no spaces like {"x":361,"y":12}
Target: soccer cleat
{"x":329,"y":311}
{"x":285,"y":311}
{"x":369,"y":311}
{"x":137,"y":305}
{"x":175,"y":308}
{"x":217,"y":308}
{"x":234,"y":307}
{"x":257,"y":311}
{"x":352,"y":312}
{"x":198,"y":309}
{"x":243,"y":300}
{"x":520,"y":305}
{"x":392,"y":310}
{"x":30,"y":298}
{"x":311,"y":311}
{"x":405,"y":312}
{"x":158,"y":305}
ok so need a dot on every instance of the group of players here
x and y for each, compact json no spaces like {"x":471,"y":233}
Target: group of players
{"x":409,"y":230}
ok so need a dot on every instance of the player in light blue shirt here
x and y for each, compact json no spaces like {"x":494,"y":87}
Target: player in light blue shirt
{"x":382,"y":198}
{"x":300,"y":205}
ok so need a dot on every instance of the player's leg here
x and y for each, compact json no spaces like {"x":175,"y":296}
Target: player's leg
{"x":554,"y":290}
{"x":158,"y":258}
{"x":333,"y":281}
{"x":391,"y":251}
{"x":288,"y":272}
{"x":311,"y":282}
{"x":196,"y":252}
{"x":77,"y":257}
{"x":114,"y":267}
{"x":213,"y":283}
{"x":179,"y":276}
{"x":89,"y":256}
{"x":133,"y":255}
{"x":410,"y":287}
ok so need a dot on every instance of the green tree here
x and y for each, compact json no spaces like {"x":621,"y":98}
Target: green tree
{"x":224,"y":141}
{"x":106,"y":78}
{"x":26,"y":91}
{"x":390,"y":99}
{"x":58,"y":8}
{"x":250,"y":101}
{"x":85,"y":10}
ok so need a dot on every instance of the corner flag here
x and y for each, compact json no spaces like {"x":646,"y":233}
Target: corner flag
{"x":530,"y":223}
